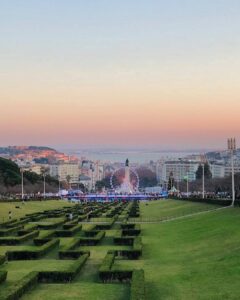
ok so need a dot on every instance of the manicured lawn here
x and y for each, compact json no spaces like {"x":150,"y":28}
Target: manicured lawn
{"x":29,"y":207}
{"x":171,"y":208}
{"x":193,"y":258}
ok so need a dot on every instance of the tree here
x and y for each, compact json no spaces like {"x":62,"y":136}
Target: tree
{"x":170,"y":181}
{"x":147,"y":177}
{"x":207,"y":172}
{"x":68,"y":178}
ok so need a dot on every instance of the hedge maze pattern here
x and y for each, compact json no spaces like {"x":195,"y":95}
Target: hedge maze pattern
{"x":39,"y":235}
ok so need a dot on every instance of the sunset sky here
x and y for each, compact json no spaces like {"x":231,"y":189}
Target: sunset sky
{"x":127,"y":73}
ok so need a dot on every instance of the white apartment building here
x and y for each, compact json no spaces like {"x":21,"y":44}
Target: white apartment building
{"x":63,"y":170}
{"x":179,"y":168}
{"x":37,"y":168}
{"x":228,"y":169}
{"x":217,"y":170}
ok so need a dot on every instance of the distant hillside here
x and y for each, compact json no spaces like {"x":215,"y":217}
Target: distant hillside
{"x":14,"y":150}
{"x":217,"y":155}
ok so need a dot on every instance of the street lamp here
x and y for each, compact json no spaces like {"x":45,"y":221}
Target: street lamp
{"x":44,"y":185}
{"x":44,"y":171}
{"x":232,"y":148}
{"x":59,"y":184}
{"x":22,"y":171}
{"x":203,"y":176}
{"x":92,"y":173}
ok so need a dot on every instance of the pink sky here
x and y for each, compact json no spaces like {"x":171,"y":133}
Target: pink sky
{"x":124,"y":74}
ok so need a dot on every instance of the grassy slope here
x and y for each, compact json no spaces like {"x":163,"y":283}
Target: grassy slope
{"x":172,"y":208}
{"x":28,"y":208}
{"x":195,"y":258}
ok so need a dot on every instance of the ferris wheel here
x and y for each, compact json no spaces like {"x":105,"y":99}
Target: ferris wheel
{"x":116,"y":179}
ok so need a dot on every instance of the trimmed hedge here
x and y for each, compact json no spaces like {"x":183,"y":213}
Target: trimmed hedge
{"x":3,"y":276}
{"x":18,"y":289}
{"x":106,"y":274}
{"x":68,"y":232}
{"x":70,"y":224}
{"x":32,"y":254}
{"x":2,"y":259}
{"x":63,"y":276}
{"x":17,"y":223}
{"x":72,"y":254}
{"x":106,"y":226}
{"x":92,"y":241}
{"x":4,"y":224}
{"x":51,"y":225}
{"x":137,"y":285}
{"x":44,"y":238}
{"x":16,"y":240}
{"x":9,"y":231}
{"x":124,"y":240}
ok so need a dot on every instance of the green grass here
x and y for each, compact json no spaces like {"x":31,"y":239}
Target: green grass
{"x":171,"y":208}
{"x":29,"y":207}
{"x":193,"y":258}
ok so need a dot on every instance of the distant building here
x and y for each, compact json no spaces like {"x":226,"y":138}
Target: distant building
{"x":63,"y":170}
{"x":228,"y":169}
{"x":217,"y":170}
{"x":179,"y":168}
{"x":86,"y":181}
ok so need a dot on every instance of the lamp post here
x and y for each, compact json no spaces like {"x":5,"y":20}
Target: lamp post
{"x":232,"y":148}
{"x":203,"y":176}
{"x":22,"y":171}
{"x":44,"y":173}
{"x":59,"y":184}
{"x":92,"y":173}
{"x":44,"y":185}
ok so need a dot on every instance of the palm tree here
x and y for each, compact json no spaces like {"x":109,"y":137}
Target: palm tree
{"x":68,"y":178}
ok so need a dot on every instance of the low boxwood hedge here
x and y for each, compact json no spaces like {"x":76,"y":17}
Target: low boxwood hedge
{"x":32,"y":254}
{"x":51,"y":225}
{"x":63,"y":276}
{"x":68,"y":232}
{"x":106,"y":274}
{"x":3,"y":276}
{"x":92,"y":241}
{"x":9,"y":231}
{"x":2,"y":259}
{"x":16,"y":240}
{"x":15,"y":291}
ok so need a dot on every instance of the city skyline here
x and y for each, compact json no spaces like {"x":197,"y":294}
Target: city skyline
{"x":143,"y":74}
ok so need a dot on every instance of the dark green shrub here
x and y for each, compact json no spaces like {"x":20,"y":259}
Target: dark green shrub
{"x":68,"y":232}
{"x":63,"y":276}
{"x":32,"y":254}
{"x":12,"y":240}
{"x":19,"y":288}
{"x":3,"y":276}
{"x":9,"y":231}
